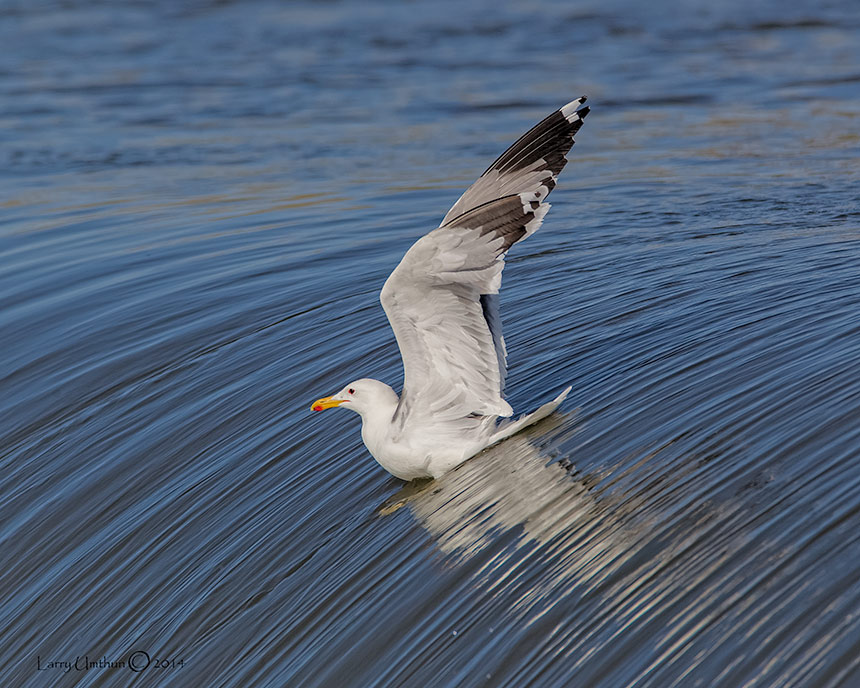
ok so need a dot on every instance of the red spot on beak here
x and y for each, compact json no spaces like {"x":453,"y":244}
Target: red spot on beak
{"x":318,"y":408}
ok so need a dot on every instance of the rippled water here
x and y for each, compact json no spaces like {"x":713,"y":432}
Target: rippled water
{"x":200,"y":202}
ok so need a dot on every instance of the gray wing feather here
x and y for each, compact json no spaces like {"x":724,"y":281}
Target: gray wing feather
{"x":490,"y":307}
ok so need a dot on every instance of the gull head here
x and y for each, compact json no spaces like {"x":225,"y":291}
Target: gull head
{"x":360,"y":396}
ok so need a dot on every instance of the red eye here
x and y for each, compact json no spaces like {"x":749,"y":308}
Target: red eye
{"x":351,"y":390}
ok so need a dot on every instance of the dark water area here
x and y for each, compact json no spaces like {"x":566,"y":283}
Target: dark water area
{"x":199,"y":202}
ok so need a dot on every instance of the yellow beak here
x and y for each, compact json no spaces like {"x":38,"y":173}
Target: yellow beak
{"x":325,"y":403}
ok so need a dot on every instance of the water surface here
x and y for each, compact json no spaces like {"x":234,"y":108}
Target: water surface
{"x":200,"y":202}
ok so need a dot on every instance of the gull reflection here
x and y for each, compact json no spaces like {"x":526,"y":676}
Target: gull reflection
{"x":537,"y":535}
{"x":513,"y":485}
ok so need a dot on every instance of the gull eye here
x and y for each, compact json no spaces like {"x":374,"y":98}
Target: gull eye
{"x":351,"y":390}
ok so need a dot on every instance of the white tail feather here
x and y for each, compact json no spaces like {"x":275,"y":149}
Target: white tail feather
{"x":505,"y":430}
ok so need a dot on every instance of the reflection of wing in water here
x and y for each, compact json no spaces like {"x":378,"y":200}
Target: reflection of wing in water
{"x":508,"y":486}
{"x":575,"y":576}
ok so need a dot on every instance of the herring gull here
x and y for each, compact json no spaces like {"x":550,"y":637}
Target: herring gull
{"x":442,"y":303}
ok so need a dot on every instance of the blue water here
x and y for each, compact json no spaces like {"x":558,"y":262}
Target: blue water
{"x":199,"y":202}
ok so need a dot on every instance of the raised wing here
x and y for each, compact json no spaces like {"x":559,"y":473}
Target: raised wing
{"x":441,"y":300}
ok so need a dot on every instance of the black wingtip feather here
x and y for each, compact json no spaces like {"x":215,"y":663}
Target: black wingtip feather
{"x":543,"y":148}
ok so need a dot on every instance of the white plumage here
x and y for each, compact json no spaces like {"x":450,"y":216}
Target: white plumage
{"x":442,"y":303}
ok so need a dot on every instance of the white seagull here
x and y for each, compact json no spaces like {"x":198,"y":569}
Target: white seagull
{"x":442,"y":303}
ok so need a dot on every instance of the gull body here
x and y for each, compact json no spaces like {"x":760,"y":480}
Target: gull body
{"x":442,"y":303}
